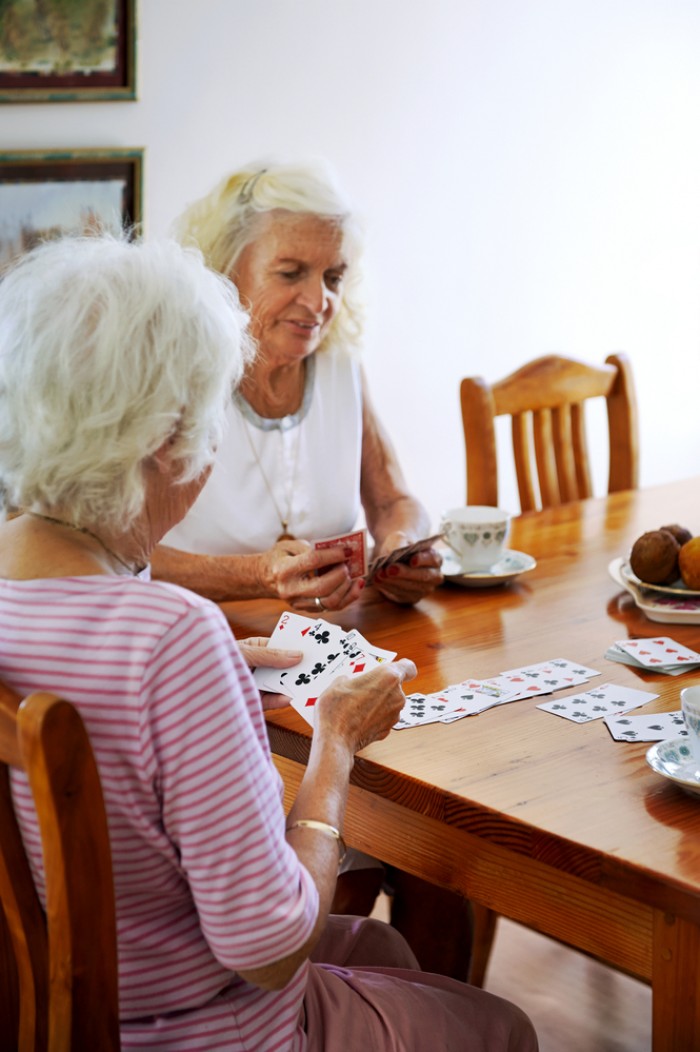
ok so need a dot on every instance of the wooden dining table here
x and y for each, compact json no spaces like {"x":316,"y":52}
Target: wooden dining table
{"x":546,"y":821}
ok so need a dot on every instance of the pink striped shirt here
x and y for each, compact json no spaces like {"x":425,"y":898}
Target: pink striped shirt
{"x":205,"y":882}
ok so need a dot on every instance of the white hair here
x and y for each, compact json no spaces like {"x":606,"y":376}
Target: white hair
{"x":108,"y":348}
{"x":227,"y":219}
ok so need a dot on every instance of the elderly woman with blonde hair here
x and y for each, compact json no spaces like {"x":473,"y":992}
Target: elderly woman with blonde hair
{"x":305,"y":447}
{"x":116,"y":365}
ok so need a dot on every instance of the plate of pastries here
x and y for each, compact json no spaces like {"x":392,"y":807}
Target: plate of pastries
{"x":665,"y":562}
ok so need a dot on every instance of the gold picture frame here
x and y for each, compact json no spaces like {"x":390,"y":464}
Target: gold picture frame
{"x":44,"y":194}
{"x":67,"y":50}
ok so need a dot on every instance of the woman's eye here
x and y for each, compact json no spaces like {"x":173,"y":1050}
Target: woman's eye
{"x":289,"y":275}
{"x":334,"y":281}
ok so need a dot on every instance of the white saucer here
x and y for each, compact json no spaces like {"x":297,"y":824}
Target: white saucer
{"x":666,"y":609}
{"x":673,"y":759}
{"x":510,"y":565}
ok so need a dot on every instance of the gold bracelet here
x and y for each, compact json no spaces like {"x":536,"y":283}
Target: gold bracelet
{"x":322,"y":827}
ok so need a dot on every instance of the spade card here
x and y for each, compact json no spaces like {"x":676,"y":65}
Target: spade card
{"x":647,"y":727}
{"x":355,"y":547}
{"x":598,"y":702}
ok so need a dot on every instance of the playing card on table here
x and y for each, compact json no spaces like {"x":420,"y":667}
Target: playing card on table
{"x":660,"y":653}
{"x":544,"y":677}
{"x":355,"y":547}
{"x":420,"y":709}
{"x":598,"y":702}
{"x":646,"y":727}
{"x":473,"y":696}
{"x":401,"y":555}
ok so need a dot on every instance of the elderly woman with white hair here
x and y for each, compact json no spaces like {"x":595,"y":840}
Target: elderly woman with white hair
{"x":304,"y":450}
{"x":305,"y":447}
{"x":117,"y":361}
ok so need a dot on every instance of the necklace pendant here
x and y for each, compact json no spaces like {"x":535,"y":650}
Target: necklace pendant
{"x":286,"y":536}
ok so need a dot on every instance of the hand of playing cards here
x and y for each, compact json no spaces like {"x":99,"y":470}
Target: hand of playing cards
{"x":355,"y":546}
{"x":401,"y":555}
{"x":329,"y":652}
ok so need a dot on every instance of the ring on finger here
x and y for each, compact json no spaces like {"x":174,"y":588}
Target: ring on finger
{"x":318,"y":604}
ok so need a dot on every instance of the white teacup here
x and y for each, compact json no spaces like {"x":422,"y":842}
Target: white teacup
{"x":690,"y":703}
{"x":476,"y":534}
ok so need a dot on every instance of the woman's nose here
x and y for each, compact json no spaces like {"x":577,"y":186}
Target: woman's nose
{"x":313,"y":294}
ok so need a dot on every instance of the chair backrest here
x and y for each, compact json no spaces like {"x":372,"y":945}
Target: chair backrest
{"x":65,"y":974}
{"x":545,"y":399}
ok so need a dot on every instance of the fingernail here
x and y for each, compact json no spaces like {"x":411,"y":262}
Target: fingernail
{"x":393,"y":571}
{"x":414,"y":561}
{"x":347,"y":552}
{"x":362,"y":584}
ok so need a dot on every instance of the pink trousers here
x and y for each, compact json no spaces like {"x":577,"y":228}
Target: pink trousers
{"x":365,"y":993}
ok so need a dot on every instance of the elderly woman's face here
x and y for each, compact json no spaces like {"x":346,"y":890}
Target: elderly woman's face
{"x":291,"y":279}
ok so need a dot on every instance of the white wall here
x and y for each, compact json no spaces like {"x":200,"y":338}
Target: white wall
{"x":528,"y":172}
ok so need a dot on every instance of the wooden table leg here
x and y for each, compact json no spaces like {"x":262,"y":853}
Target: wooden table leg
{"x":675,"y":984}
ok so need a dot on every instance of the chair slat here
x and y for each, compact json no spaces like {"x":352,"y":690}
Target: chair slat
{"x":544,"y":455}
{"x":522,"y":452}
{"x":580,"y":447}
{"x":564,"y":453}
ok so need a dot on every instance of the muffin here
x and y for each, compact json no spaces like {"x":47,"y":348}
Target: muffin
{"x":689,"y":563}
{"x":654,"y":557}
{"x":679,"y":532}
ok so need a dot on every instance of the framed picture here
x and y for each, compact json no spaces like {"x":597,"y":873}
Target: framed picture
{"x":44,"y":195}
{"x":67,"y":50}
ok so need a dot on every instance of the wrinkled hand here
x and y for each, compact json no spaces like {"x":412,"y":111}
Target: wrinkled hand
{"x":257,"y":654}
{"x":363,"y":709}
{"x":407,"y":583}
{"x":288,"y":570}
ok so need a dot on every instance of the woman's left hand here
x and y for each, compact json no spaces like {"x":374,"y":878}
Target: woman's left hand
{"x":257,"y":654}
{"x":408,"y":582}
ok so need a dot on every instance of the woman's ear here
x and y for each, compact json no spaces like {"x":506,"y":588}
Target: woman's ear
{"x":162,"y":459}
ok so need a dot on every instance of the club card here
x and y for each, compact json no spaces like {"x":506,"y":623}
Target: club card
{"x":598,"y":702}
{"x":659,"y":651}
{"x":354,"y":641}
{"x":646,"y":727}
{"x":318,"y":641}
{"x":420,"y":709}
{"x":355,"y":547}
{"x":402,"y":555}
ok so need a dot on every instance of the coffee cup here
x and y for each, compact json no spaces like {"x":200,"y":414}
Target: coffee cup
{"x":476,"y":534}
{"x":690,"y":703}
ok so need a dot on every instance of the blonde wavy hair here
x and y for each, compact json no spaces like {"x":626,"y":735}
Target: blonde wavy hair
{"x":226,"y":219}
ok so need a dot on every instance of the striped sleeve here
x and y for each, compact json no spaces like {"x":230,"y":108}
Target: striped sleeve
{"x":220,"y":795}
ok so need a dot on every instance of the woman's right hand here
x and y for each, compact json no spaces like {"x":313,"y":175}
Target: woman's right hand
{"x":294,"y":571}
{"x":363,"y":709}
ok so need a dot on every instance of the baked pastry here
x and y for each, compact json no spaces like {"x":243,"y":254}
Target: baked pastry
{"x":689,"y":563}
{"x":654,"y":557}
{"x":679,"y":532}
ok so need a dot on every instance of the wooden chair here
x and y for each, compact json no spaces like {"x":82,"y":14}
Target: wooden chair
{"x":59,"y":984}
{"x":545,"y":399}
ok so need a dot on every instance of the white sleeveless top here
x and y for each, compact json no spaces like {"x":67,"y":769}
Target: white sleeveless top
{"x":310,"y":461}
